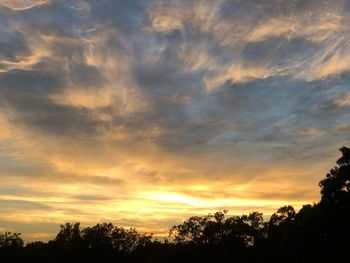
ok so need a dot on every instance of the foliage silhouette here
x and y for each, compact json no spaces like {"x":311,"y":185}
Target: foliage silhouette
{"x":317,"y":233}
{"x":11,"y":240}
{"x":335,"y":188}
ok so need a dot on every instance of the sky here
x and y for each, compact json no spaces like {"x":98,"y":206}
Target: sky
{"x":143,"y":113}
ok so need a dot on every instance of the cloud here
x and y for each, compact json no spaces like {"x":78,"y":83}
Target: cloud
{"x":343,"y":101}
{"x":237,"y":74}
{"x":311,"y":132}
{"x":166,"y":18}
{"x":21,"y":5}
{"x":273,"y":28}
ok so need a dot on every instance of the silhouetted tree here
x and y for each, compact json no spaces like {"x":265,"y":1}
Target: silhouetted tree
{"x":11,"y":240}
{"x":335,"y":187}
{"x":121,"y":240}
{"x":200,"y":229}
{"x":215,"y":229}
{"x":69,"y":235}
{"x":11,"y":245}
{"x":283,"y":214}
{"x":322,"y":227}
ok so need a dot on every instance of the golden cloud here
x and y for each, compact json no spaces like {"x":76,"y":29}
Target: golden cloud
{"x":22,"y":4}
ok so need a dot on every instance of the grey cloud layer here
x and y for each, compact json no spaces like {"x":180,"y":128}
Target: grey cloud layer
{"x":169,"y":61}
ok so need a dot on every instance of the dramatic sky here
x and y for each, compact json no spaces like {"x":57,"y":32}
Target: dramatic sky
{"x":144,"y":113}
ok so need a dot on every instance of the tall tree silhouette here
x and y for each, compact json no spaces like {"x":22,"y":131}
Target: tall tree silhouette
{"x":335,"y":187}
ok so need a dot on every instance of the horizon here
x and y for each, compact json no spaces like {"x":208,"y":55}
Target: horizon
{"x":143,"y":113}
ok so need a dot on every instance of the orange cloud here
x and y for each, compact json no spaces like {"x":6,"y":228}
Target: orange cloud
{"x":22,"y":4}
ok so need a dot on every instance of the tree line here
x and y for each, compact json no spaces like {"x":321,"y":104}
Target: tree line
{"x":319,"y":232}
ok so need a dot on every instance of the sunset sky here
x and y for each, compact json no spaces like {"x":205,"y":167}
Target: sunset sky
{"x":144,"y":113}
